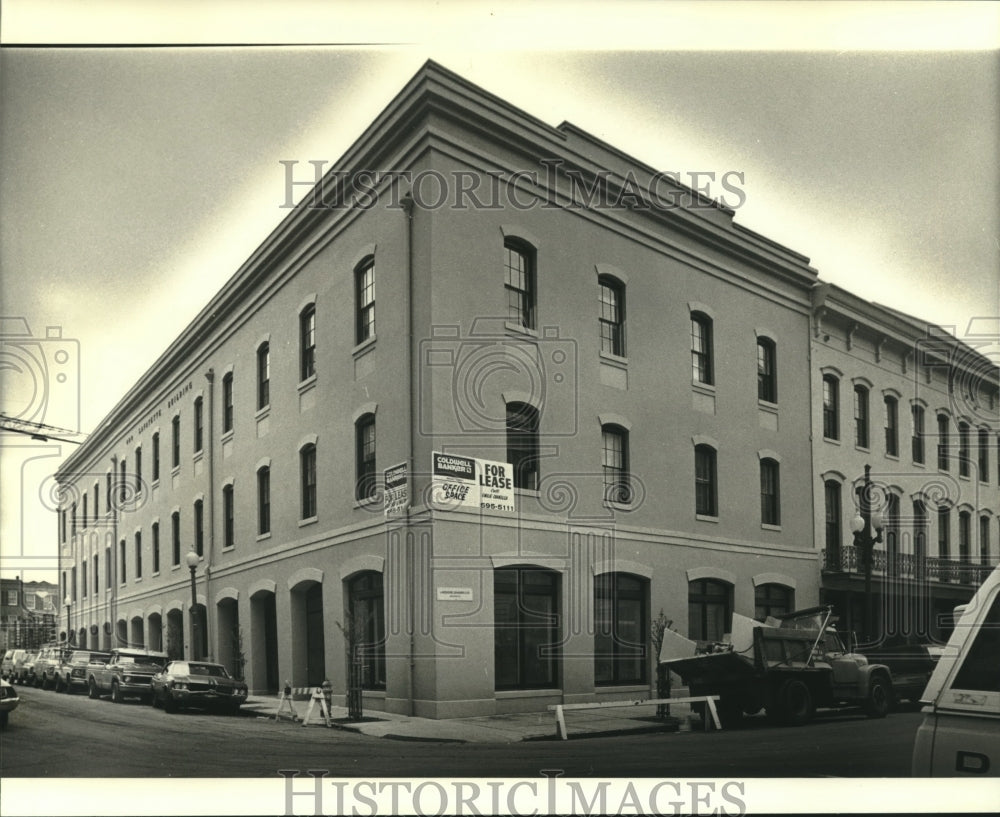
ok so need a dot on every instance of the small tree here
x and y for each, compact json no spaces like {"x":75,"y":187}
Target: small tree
{"x":354,"y":630}
{"x":239,"y":656}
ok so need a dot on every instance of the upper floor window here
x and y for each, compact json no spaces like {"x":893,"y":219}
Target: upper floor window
{"x":944,"y":532}
{"x":891,"y":426}
{"x":984,"y":455}
{"x":770,"y":492}
{"x":199,"y":527}
{"x":831,"y":407}
{"x":97,"y":499}
{"x":264,"y":500}
{"x":702,"y":362}
{"x":522,"y":444}
{"x":175,"y":538}
{"x":615,"y":464}
{"x":228,"y":517}
{"x":263,"y":375}
{"x":307,"y":467}
{"x":175,"y":426}
{"x":963,"y":449}
{"x":861,"y":416}
{"x":964,"y":536}
{"x":307,"y":342}
{"x":138,"y":472}
{"x":138,"y":554}
{"x":97,"y":573}
{"x":705,"y":487}
{"x":156,"y":456}
{"x":72,"y":517}
{"x":156,"y":546}
{"x":199,"y":428}
{"x":107,"y":490}
{"x":832,"y":523}
{"x":227,"y":402}
{"x":767,"y":371}
{"x":122,"y":566}
{"x":107,"y":568}
{"x":365,"y":479}
{"x":984,"y":540}
{"x":519,"y":283}
{"x":85,"y":511}
{"x":612,"y":318}
{"x":917,"y":440}
{"x":364,"y":298}
{"x":943,"y":454}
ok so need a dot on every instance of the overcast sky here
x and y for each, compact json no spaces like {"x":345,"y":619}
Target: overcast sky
{"x":134,"y":181}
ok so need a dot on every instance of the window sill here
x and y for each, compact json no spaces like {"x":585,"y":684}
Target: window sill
{"x":863,"y":448}
{"x":198,"y":455}
{"x":307,"y":384}
{"x":619,"y":506}
{"x":894,"y":457}
{"x":226,"y":436}
{"x":155,"y":574}
{"x":261,"y":537}
{"x":367,"y":503}
{"x":625,"y":686}
{"x":619,"y":361}
{"x":532,"y":492}
{"x":767,"y":405}
{"x":263,"y":412}
{"x":312,"y":520}
{"x":702,"y":517}
{"x":919,"y":464}
{"x":501,"y":694}
{"x":766,"y":526}
{"x":966,"y":477}
{"x":364,"y":347}
{"x":175,"y":471}
{"x":523,"y":331}
{"x":831,"y":440}
{"x":704,"y":388}
{"x":228,"y":548}
{"x":154,"y":485}
{"x":175,"y":567}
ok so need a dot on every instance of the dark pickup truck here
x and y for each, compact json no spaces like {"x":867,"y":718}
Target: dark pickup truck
{"x":910,"y":665}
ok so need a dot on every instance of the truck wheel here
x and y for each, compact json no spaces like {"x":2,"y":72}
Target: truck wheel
{"x":116,"y":693}
{"x":730,"y":712}
{"x":879,"y":698}
{"x":795,"y":703}
{"x":169,"y":704}
{"x":92,"y":690}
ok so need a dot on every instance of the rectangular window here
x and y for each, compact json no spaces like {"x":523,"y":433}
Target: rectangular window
{"x":123,"y":484}
{"x":138,"y":555}
{"x":107,"y":568}
{"x":85,"y":514}
{"x":772,"y":600}
{"x":522,"y":444}
{"x":264,"y":500}
{"x":964,"y":537}
{"x":228,"y":518}
{"x":701,"y":349}
{"x":198,"y":425}
{"x":519,"y":283}
{"x":612,"y":317}
{"x":984,"y":540}
{"x":97,"y":577}
{"x":175,"y":426}
{"x":615,"y":465}
{"x":307,"y":459}
{"x":710,"y":610}
{"x":365,"y":478}
{"x":156,"y":456}
{"x":227,"y":402}
{"x":984,"y":456}
{"x":121,"y":567}
{"x":767,"y":377}
{"x":861,"y":417}
{"x":963,"y":449}
{"x":199,"y":527}
{"x":526,"y":628}
{"x":891,"y":426}
{"x":175,"y":538}
{"x":944,"y":533}
{"x":138,"y":470}
{"x":833,"y":525}
{"x":97,"y":499}
{"x":84,"y":584}
{"x":620,"y":630}
{"x":364,"y":297}
{"x":263,"y":376}
{"x":156,"y":547}
{"x":366,"y":599}
{"x":72,"y":529}
{"x":307,"y":342}
{"x":943,"y":454}
{"x":917,"y":413}
{"x":770,"y":500}
{"x":107,"y":491}
{"x":705,"y":491}
{"x":831,"y":407}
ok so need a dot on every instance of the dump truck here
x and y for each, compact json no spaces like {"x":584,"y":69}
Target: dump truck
{"x":787,"y":666}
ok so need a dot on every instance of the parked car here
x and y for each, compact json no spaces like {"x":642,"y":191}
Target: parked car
{"x":72,"y":673}
{"x":126,"y":673}
{"x":198,"y":684}
{"x":9,"y":659}
{"x":960,"y":732}
{"x":24,"y":667}
{"x":8,"y":701}
{"x":46,"y":670}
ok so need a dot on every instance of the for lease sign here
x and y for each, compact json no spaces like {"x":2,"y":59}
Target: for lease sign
{"x":470,"y":482}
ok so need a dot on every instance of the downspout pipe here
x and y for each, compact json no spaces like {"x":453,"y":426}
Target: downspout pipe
{"x":408,"y":206}
{"x":210,"y":551}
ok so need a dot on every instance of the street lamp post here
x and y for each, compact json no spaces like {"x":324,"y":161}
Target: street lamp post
{"x":69,"y":628}
{"x":192,"y":563}
{"x":862,"y":526}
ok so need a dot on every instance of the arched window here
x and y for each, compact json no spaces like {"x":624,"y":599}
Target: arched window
{"x":228,"y":517}
{"x":522,"y":444}
{"x":831,"y":407}
{"x":767,"y":370}
{"x":307,"y":470}
{"x":615,"y":464}
{"x":519,"y":282}
{"x":891,"y":426}
{"x":620,"y":629}
{"x":772,"y":600}
{"x":526,"y":628}
{"x":861,"y":416}
{"x":702,"y":358}
{"x":710,"y":609}
{"x":705,"y":482}
{"x":263,"y":500}
{"x":963,"y":449}
{"x":917,"y":440}
{"x":832,"y":524}
{"x":770,"y":492}
{"x":943,"y":452}
{"x":366,"y":602}
{"x":984,"y":455}
{"x":612,"y":318}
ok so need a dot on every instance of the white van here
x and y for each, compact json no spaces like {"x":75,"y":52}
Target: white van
{"x":960,"y":733}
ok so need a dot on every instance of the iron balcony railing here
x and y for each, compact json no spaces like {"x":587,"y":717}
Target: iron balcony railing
{"x":848,"y":559}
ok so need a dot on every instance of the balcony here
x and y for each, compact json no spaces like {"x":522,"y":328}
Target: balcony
{"x":847,"y":560}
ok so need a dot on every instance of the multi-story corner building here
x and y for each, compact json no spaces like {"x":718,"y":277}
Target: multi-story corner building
{"x":28,"y":614}
{"x":470,"y":281}
{"x":918,"y":406}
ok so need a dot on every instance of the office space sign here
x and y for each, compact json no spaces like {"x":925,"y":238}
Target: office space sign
{"x":396,"y":496}
{"x":468,"y":482}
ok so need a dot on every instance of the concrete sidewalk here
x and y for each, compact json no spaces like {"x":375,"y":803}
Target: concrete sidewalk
{"x":483,"y":729}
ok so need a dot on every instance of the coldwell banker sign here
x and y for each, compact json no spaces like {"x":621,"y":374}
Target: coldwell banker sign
{"x":472,"y":483}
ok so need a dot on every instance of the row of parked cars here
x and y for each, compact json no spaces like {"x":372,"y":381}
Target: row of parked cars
{"x":125,"y":673}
